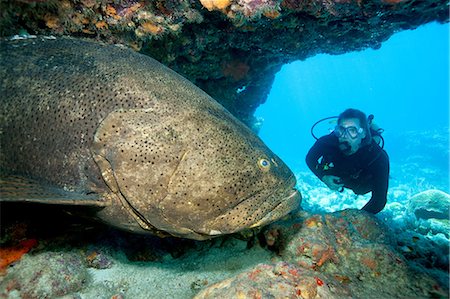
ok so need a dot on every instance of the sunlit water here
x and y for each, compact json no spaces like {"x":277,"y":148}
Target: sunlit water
{"x":404,"y":84}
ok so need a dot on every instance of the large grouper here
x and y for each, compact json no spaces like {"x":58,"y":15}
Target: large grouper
{"x":85,"y":123}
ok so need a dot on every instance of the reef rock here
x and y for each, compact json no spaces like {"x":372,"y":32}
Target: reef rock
{"x":430,"y":204}
{"x":230,"y":48}
{"x":346,"y":254}
{"x":280,"y":280}
{"x":430,"y":253}
{"x":428,"y":227}
{"x":431,"y":209}
{"x":45,"y":275}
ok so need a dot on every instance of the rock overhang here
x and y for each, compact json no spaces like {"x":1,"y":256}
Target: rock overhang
{"x":232,"y":49}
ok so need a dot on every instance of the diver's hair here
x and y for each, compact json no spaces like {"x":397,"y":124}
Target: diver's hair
{"x":358,"y":114}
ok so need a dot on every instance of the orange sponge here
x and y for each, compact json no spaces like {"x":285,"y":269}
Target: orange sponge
{"x":11,"y":254}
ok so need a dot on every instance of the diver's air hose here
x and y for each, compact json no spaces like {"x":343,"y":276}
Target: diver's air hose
{"x":317,"y":122}
{"x":373,"y":127}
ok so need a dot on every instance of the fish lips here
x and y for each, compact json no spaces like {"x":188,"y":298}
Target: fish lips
{"x":278,"y":204}
{"x":293,"y":200}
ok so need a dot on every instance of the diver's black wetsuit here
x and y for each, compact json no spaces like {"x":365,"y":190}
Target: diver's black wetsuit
{"x":364,"y":171}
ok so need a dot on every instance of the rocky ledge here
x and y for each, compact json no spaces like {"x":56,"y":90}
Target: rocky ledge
{"x":229,"y":48}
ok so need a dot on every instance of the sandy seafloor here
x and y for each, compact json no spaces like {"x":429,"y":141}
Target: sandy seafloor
{"x":130,"y":266}
{"x":171,"y":273}
{"x":179,"y":278}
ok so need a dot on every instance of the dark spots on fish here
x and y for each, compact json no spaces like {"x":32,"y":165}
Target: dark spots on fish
{"x":72,"y":95}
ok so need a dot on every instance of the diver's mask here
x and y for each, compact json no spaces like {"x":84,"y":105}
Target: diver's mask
{"x":351,"y":131}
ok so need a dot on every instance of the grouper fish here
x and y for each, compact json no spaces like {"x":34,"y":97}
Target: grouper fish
{"x":97,"y":125}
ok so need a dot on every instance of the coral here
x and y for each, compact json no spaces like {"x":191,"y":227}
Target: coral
{"x":99,"y":260}
{"x":195,"y":37}
{"x":430,"y":204}
{"x":235,"y":69}
{"x":427,"y":252}
{"x":254,"y":8}
{"x":215,"y":4}
{"x":431,"y":210}
{"x":271,"y":236}
{"x":52,"y":21}
{"x":9,"y":255}
{"x":280,"y":280}
{"x":348,"y":247}
{"x":46,"y":275}
{"x":149,"y":28}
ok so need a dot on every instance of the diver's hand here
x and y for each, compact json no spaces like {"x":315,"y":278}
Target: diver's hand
{"x":333,"y":182}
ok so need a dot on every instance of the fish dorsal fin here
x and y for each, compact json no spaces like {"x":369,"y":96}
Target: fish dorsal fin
{"x":21,"y":189}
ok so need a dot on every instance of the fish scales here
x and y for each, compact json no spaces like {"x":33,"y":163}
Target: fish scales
{"x":160,"y":154}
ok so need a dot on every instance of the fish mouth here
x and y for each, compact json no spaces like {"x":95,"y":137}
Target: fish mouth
{"x":294,"y":199}
{"x":266,"y":211}
{"x":252,"y":211}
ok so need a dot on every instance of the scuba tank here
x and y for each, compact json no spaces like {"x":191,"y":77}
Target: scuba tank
{"x":375,"y":131}
{"x":375,"y":134}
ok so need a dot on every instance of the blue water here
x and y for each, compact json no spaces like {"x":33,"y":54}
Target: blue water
{"x":405,"y":84}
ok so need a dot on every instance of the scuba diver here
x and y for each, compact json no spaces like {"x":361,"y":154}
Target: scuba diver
{"x":350,"y":157}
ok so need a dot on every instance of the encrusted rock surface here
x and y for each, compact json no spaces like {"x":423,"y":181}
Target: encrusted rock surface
{"x":346,"y":254}
{"x":45,"y":275}
{"x":430,"y":204}
{"x":280,"y":280}
{"x":230,"y":48}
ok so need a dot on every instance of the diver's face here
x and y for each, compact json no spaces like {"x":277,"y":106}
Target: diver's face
{"x":350,"y":135}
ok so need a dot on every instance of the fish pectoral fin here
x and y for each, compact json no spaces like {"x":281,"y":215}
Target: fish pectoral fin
{"x":21,"y":189}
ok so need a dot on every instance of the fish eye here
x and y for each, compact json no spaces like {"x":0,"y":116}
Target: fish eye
{"x":264,"y":164}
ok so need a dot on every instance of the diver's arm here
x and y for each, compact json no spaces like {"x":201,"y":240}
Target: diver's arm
{"x":332,"y":182}
{"x":380,"y":187}
{"x":315,"y":152}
